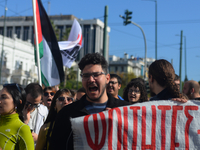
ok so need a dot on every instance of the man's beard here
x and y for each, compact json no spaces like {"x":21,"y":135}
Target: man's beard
{"x":97,"y":99}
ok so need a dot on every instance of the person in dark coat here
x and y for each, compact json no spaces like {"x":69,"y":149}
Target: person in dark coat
{"x":94,"y":80}
{"x":161,"y":81}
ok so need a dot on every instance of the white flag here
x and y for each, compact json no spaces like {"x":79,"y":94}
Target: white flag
{"x":69,"y":49}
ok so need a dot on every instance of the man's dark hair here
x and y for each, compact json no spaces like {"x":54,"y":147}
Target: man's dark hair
{"x":163,"y":72}
{"x":34,"y":89}
{"x":81,"y":90}
{"x":73,"y":92}
{"x":49,"y":88}
{"x":176,"y":77}
{"x":117,"y":77}
{"x":139,"y":80}
{"x":95,"y":59}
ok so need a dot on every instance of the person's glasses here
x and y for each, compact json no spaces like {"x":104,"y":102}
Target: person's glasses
{"x":112,"y":82}
{"x":47,"y":93}
{"x":30,"y":105}
{"x":135,"y":91}
{"x":13,"y":85}
{"x":69,"y":99}
{"x":95,"y":75}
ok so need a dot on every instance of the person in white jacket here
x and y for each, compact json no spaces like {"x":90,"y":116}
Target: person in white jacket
{"x":35,"y":113}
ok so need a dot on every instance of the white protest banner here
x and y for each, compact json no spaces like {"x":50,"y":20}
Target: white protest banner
{"x":69,"y":49}
{"x":163,"y":125}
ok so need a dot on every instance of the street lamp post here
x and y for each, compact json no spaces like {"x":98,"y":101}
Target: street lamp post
{"x":145,"y":61}
{"x":186,"y":79}
{"x":155,"y":27}
{"x":180,"y":75}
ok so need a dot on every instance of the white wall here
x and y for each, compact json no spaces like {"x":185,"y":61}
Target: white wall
{"x":16,"y":50}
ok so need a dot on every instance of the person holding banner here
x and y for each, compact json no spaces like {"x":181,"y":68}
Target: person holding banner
{"x":135,"y":92}
{"x":94,"y":80}
{"x":62,"y":98}
{"x":161,"y":81}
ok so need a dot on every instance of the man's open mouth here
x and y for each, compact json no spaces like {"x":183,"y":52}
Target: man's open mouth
{"x":93,"y":88}
{"x":49,"y":100}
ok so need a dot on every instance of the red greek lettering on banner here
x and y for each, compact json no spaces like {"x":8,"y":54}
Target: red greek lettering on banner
{"x":125,"y":133}
{"x":153,"y":129}
{"x":110,"y":128}
{"x":187,"y":125}
{"x":163,"y":108}
{"x":135,"y":125}
{"x":95,"y":145}
{"x":173,"y":126}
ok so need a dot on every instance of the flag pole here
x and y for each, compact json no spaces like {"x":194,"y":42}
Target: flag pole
{"x":36,"y":41}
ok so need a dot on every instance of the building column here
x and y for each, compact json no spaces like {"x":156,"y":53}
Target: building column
{"x":21,"y":32}
{"x":97,"y":40}
{"x":13,"y":31}
{"x":91,"y":38}
{"x":30,"y":33}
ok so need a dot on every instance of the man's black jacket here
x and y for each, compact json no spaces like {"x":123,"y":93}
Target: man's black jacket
{"x":62,"y":136}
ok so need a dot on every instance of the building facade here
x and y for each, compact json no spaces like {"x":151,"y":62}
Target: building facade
{"x":128,"y":64}
{"x":92,"y":31}
{"x":18,"y":61}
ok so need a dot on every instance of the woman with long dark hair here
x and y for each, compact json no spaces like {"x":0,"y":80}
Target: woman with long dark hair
{"x":135,"y":91}
{"x":62,"y":98}
{"x":14,"y":134}
{"x":161,"y":81}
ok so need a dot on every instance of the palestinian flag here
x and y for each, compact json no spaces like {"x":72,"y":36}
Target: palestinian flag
{"x":50,"y":57}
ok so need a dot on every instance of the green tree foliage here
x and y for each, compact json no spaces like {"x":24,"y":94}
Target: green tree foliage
{"x":126,"y":78}
{"x":71,"y":84}
{"x":71,"y":80}
{"x":71,"y":75}
{"x":64,"y":36}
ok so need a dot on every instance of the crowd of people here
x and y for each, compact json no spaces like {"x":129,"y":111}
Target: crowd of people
{"x":37,"y":118}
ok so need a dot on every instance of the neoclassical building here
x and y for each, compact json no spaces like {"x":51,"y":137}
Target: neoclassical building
{"x":19,"y":65}
{"x":18,"y":61}
{"x":92,"y":31}
{"x":129,"y":64}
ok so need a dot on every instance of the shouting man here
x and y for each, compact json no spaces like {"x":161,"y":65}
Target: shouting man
{"x":94,"y":80}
